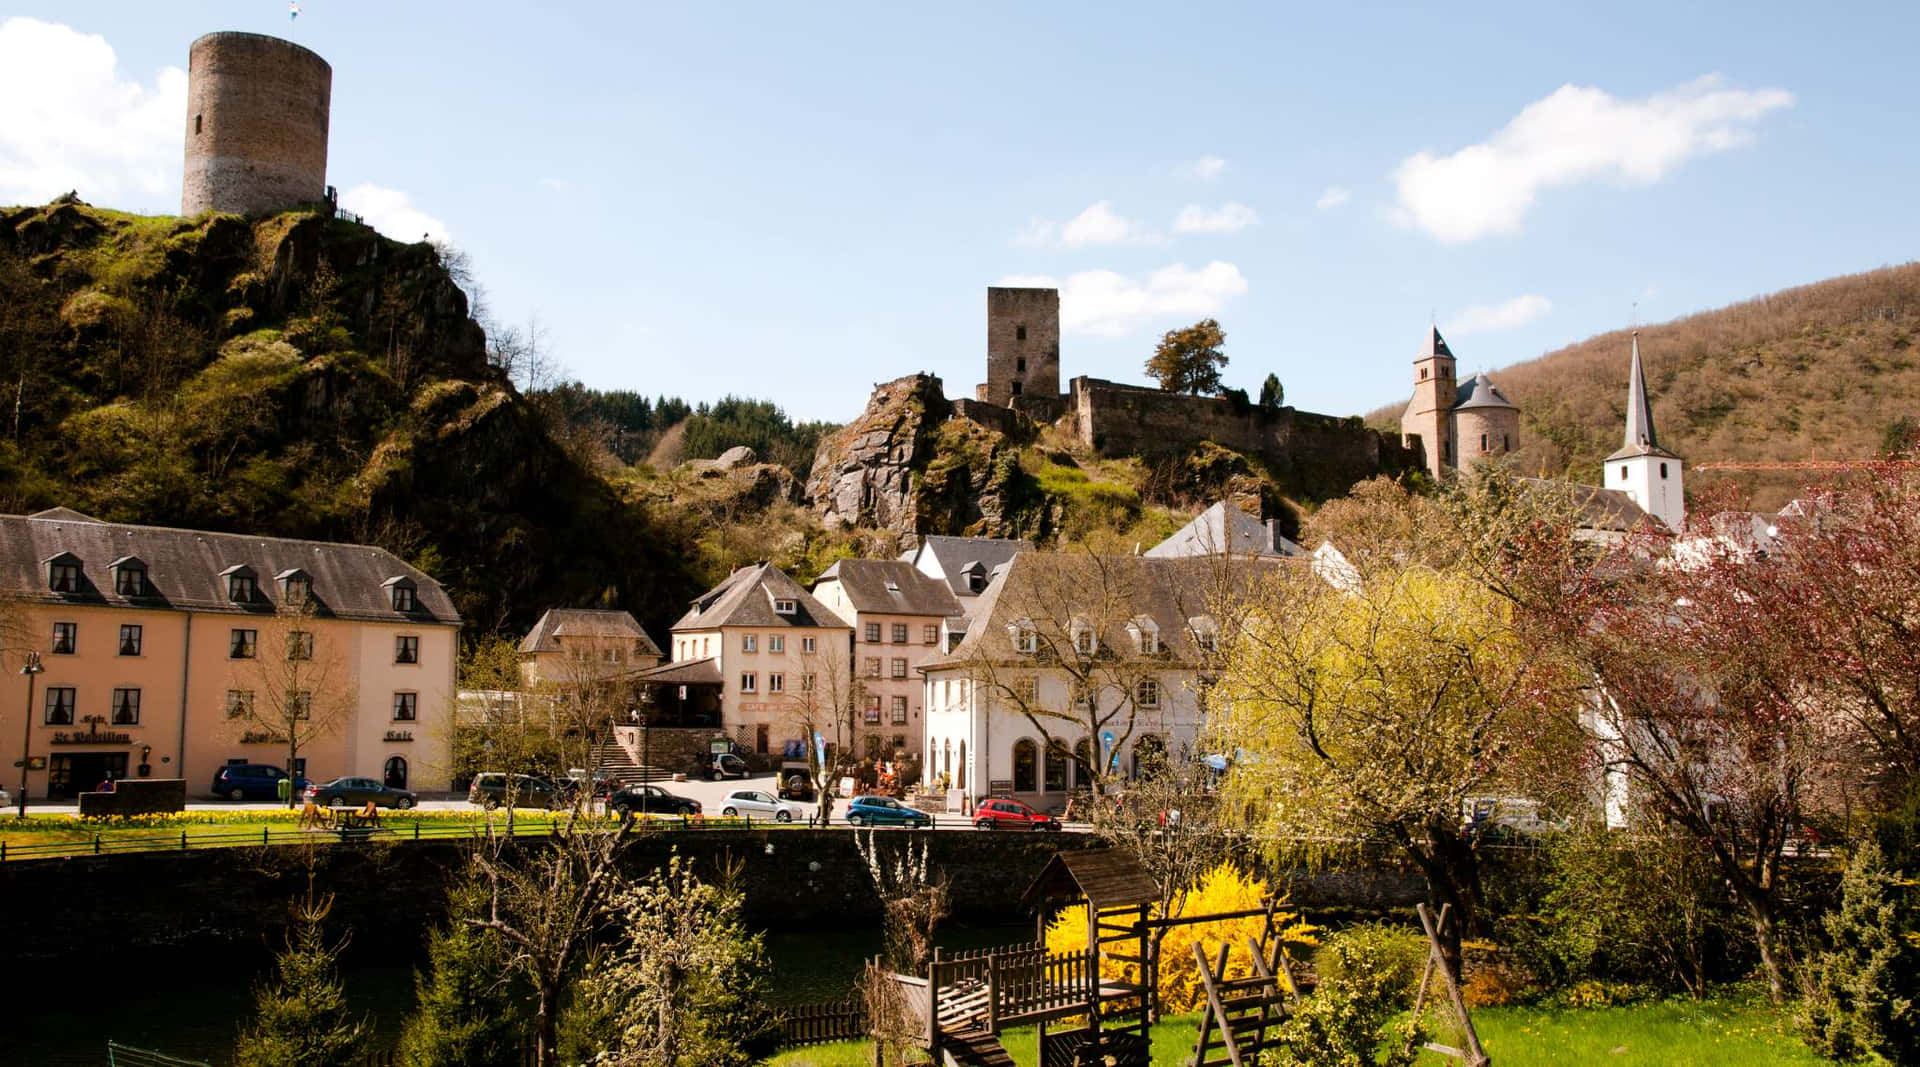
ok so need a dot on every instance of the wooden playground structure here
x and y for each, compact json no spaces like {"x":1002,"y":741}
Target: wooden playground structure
{"x":958,"y":1009}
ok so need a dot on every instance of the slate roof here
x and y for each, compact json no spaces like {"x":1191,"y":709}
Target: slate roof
{"x":1051,"y":589}
{"x":745,"y":598}
{"x":1601,"y":509}
{"x":686,"y":672}
{"x":955,"y":553}
{"x":584,"y":622}
{"x":1640,"y":437}
{"x":185,"y":569}
{"x":891,"y":587}
{"x":1224,"y":529}
{"x":1480,"y":392}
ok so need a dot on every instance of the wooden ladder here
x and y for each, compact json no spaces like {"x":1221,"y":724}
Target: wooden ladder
{"x":1240,"y":1013}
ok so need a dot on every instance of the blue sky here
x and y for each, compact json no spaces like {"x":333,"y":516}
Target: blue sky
{"x":797,"y":201}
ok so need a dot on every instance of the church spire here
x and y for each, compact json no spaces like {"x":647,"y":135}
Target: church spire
{"x":1640,"y":436}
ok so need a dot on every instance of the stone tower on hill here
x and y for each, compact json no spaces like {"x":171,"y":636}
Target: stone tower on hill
{"x":1023,"y":350}
{"x":1457,"y":425}
{"x":256,"y":125}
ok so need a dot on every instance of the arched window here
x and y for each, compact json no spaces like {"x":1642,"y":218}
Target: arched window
{"x":962,"y":783}
{"x":1056,"y":779}
{"x":946,"y":759}
{"x":1025,"y":766}
{"x":1149,"y":755}
{"x":396,"y":772}
{"x":1083,"y":765}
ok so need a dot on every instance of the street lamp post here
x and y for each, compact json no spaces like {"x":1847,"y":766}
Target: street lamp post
{"x":31,"y":668}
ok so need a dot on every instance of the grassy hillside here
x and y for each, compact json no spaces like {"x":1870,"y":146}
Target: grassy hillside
{"x":1817,"y":371}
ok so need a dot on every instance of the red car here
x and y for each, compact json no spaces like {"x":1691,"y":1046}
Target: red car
{"x":1011,"y":815}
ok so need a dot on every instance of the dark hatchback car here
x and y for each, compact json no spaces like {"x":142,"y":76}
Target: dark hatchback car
{"x":248,"y":781}
{"x":489,"y":790}
{"x":353,"y":792}
{"x":652,"y":800}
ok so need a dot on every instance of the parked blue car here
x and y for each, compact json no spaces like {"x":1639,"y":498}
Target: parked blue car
{"x":885,"y":811}
{"x":248,"y":781}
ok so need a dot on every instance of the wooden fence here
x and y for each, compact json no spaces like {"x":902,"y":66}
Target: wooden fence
{"x":813,"y":1024}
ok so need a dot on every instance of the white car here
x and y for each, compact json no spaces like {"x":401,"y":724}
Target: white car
{"x":752,"y":803}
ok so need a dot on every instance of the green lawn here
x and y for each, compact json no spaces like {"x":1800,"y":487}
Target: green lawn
{"x":1733,"y":1032}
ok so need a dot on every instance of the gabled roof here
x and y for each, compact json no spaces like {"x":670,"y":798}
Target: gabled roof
{"x":584,"y":623}
{"x":1052,"y":591}
{"x":1222,"y":530}
{"x":1640,"y":438}
{"x":1480,"y":392}
{"x":1436,"y":345}
{"x":185,"y":568}
{"x":745,"y":598}
{"x":891,"y":587}
{"x":1600,"y":509}
{"x":1106,"y":877}
{"x":952,"y":554}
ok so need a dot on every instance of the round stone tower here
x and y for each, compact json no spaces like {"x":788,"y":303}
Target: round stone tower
{"x":256,"y":125}
{"x":1485,"y":423}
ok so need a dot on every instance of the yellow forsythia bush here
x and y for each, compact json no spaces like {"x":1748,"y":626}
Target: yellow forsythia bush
{"x":1223,"y":889}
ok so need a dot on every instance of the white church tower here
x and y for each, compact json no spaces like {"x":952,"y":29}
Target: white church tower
{"x":1649,"y":474}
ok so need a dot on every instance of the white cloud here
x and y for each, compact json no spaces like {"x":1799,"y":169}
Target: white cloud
{"x":1106,"y":303}
{"x":1097,"y":225}
{"x":1206,"y":168}
{"x":1574,"y":135}
{"x":1230,"y":217}
{"x":70,"y":120}
{"x":1332,"y":198}
{"x":1506,"y":315}
{"x":392,"y":212}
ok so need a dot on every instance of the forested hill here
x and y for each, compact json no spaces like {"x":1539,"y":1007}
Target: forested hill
{"x":298,"y":376}
{"x":1823,"y":370}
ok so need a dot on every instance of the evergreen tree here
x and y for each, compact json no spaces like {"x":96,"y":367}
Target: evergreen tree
{"x":300,"y":1015}
{"x":1862,"y":996}
{"x":1271,"y":394}
{"x":470,"y":1009}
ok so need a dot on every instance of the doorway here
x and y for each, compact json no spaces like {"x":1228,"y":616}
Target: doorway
{"x":70,"y":774}
{"x":396,"y":772}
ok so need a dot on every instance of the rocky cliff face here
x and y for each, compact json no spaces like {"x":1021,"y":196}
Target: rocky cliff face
{"x":866,"y":474}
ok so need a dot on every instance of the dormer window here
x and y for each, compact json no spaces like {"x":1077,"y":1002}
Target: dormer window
{"x":1206,"y":633}
{"x":63,"y":573}
{"x":1025,"y":638}
{"x":785,"y":606}
{"x":1146,"y":635}
{"x":1084,"y":640}
{"x":975,"y":575}
{"x":403,"y":594}
{"x":129,"y":577}
{"x":296,"y":588}
{"x":894,"y":587}
{"x":241,"y":588}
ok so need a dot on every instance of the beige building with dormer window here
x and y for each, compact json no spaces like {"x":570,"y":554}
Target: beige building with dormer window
{"x":768,"y":645}
{"x":154,"y":643}
{"x":896,"y":612}
{"x":580,"y":644}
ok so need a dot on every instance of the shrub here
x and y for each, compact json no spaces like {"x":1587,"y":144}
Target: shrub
{"x":300,"y":1015}
{"x":1367,"y":977}
{"x":470,"y":1011}
{"x":1861,"y":993}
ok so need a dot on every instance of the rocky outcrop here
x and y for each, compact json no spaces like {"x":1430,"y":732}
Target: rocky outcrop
{"x":866,"y":474}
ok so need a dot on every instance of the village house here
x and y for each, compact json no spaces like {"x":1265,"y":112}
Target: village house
{"x":154,"y":644}
{"x":579,"y":644}
{"x":1073,"y":662}
{"x":896,"y":612}
{"x":757,"y":647}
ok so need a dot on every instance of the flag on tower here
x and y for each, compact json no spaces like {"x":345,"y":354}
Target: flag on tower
{"x":293,"y":10}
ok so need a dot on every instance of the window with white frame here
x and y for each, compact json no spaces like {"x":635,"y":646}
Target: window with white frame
{"x":1146,"y":635}
{"x":1026,"y":639}
{"x":785,"y":606}
{"x":749,"y":642}
{"x":1084,"y":641}
{"x":1146,"y":693}
{"x":806,"y":683}
{"x":776,"y":682}
{"x":777,"y":643}
{"x":749,"y":682}
{"x":809,"y":644}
